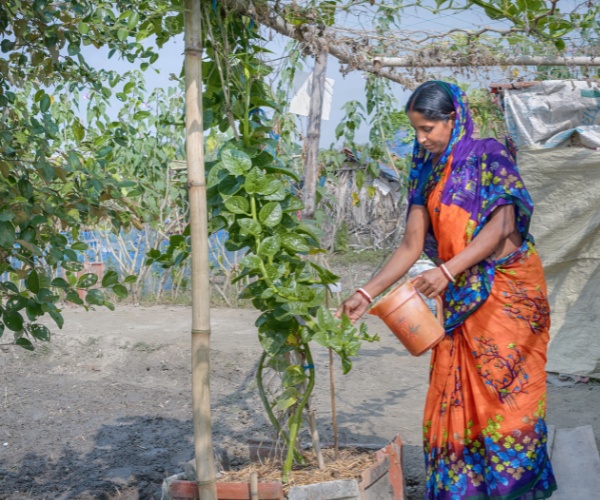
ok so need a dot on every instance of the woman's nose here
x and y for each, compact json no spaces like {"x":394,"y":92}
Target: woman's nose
{"x":421,"y":137}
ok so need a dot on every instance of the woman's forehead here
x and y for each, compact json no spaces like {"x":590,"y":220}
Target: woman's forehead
{"x":417,"y":118}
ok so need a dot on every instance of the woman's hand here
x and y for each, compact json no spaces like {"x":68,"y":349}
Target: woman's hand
{"x":354,"y":307}
{"x":431,"y":283}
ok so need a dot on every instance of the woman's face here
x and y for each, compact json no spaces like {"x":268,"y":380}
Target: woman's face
{"x":433,"y":135}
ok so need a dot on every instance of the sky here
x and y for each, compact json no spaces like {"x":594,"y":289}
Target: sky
{"x":348,"y":87}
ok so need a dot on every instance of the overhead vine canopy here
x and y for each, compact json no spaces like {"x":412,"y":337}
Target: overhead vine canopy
{"x":383,"y":36}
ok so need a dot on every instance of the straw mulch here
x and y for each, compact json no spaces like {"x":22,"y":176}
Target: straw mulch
{"x":350,"y":465}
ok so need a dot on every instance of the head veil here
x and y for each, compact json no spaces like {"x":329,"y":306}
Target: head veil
{"x":459,"y":147}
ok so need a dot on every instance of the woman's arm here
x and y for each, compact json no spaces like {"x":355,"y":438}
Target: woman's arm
{"x":403,"y":258}
{"x":498,"y":236}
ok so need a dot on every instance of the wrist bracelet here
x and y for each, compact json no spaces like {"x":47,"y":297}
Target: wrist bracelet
{"x":447,"y":273}
{"x":365,"y":294}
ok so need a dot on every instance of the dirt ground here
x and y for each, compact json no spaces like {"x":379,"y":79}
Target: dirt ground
{"x":104,"y":410}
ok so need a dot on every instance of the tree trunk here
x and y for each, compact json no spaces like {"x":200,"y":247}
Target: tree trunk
{"x":313,"y":134}
{"x":205,"y":469}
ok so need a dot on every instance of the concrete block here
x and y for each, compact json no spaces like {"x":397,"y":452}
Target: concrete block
{"x":576,"y":464}
{"x":346,"y":489}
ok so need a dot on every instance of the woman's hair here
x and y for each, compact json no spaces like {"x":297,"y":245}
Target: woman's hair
{"x":433,"y":100}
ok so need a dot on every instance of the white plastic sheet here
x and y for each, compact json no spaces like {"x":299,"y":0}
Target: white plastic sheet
{"x":565,"y":186}
{"x":550,"y":113}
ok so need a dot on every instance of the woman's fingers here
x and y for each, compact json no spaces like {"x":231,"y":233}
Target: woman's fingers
{"x":353,"y":307}
{"x":431,"y":283}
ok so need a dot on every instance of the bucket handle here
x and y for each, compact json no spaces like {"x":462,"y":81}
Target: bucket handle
{"x":439,"y":309}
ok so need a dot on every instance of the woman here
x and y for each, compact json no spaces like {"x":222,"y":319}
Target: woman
{"x":484,"y":428}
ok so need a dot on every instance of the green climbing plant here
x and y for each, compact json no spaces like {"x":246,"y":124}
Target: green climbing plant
{"x":250,"y":195}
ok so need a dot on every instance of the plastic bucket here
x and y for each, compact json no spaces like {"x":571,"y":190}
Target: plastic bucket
{"x":409,"y":318}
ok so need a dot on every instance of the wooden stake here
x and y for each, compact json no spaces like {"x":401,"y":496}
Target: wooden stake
{"x":253,"y":486}
{"x":336,"y":447}
{"x":205,"y":468}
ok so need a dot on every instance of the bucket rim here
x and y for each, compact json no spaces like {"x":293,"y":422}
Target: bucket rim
{"x":388,"y":295}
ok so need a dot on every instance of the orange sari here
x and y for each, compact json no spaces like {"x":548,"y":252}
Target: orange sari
{"x":484,"y":428}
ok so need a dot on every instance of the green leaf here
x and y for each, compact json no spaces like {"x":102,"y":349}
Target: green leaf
{"x":110,"y":278}
{"x":7,"y":235}
{"x":268,"y":185}
{"x":230,"y":185}
{"x":73,"y":296}
{"x":73,"y":49}
{"x":16,"y":303}
{"x":238,"y":205}
{"x":287,"y":398}
{"x":34,"y":310}
{"x":273,"y":334}
{"x":73,"y":159}
{"x":327,"y":277}
{"x":292,"y":204}
{"x":87,"y":280}
{"x":13,"y":320}
{"x":346,"y":365}
{"x":254,"y":180}
{"x":83,"y":28}
{"x":249,"y":226}
{"x":216,"y":224}
{"x":45,"y":103}
{"x":28,"y":234}
{"x":10,"y":286}
{"x":270,"y":215}
{"x":325,"y":319}
{"x":278,"y":363}
{"x":6,"y":214}
{"x":46,"y":296}
{"x":236,"y":162}
{"x":133,"y":20}
{"x":7,"y":45}
{"x":34,"y":249}
{"x":57,"y":317}
{"x":294,"y":242}
{"x":108,"y":305}
{"x":122,"y":34}
{"x":120,"y":291}
{"x":78,"y":130}
{"x":95,"y":297}
{"x":59,"y":283}
{"x":251,"y":262}
{"x":281,"y":170}
{"x":130,"y":279}
{"x":25,"y":344}
{"x":270,"y":246}
{"x":80,"y":245}
{"x":279,"y":195}
{"x":103,"y":152}
{"x":40,"y":332}
{"x":293,"y":375}
{"x":32,"y":281}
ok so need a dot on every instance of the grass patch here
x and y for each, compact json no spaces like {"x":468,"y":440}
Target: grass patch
{"x":367,"y":256}
{"x":145,"y":347}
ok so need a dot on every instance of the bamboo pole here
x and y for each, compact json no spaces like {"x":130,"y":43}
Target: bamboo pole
{"x":313,"y":134}
{"x":501,"y":60}
{"x":205,"y":469}
{"x":311,"y":174}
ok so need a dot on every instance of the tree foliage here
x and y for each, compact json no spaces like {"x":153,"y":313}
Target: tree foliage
{"x":61,"y":155}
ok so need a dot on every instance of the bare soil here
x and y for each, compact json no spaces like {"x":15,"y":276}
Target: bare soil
{"x":104,"y":410}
